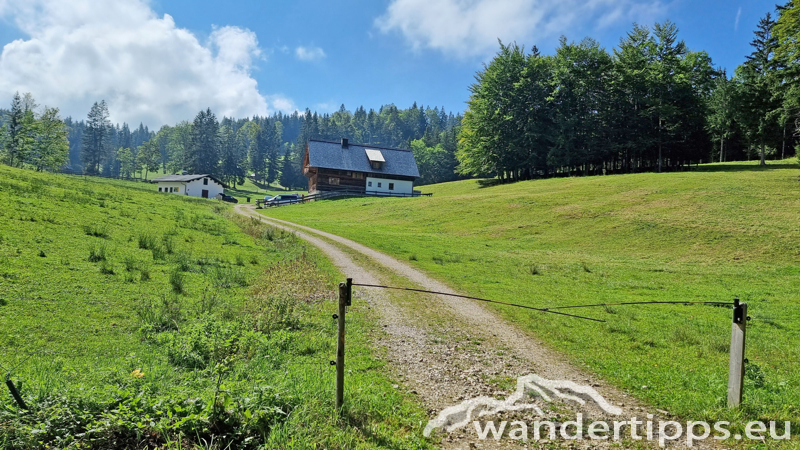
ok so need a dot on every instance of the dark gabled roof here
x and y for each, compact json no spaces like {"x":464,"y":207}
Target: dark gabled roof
{"x":185,"y":179}
{"x":331,"y":155}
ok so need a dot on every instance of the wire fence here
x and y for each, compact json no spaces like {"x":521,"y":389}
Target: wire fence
{"x":549,"y":309}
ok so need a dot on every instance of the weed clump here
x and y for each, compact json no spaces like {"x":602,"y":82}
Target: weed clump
{"x":130,"y":263}
{"x":176,"y":280}
{"x":106,"y":268}
{"x":183,"y":262}
{"x":169,"y":245}
{"x":226,"y":277}
{"x":162,"y":315}
{"x":144,"y":274}
{"x":96,"y":230}
{"x":97,"y":253}
{"x":147,"y":241}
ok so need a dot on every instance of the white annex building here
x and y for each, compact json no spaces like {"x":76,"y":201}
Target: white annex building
{"x":203,"y":186}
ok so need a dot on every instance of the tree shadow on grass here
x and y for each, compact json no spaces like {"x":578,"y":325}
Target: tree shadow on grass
{"x":752,"y":166}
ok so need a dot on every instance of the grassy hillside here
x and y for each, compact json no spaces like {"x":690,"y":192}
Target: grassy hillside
{"x":714,"y":234}
{"x":134,"y":319}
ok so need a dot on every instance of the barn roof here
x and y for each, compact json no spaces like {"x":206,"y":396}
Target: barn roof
{"x":185,"y":179}
{"x":357,"y":157}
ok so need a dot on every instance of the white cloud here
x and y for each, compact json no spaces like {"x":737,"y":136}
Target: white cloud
{"x":738,"y":16}
{"x":144,"y":66}
{"x":281,"y":103}
{"x":467,"y":28}
{"x":309,"y":53}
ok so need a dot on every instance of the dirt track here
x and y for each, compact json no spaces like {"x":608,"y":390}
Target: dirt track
{"x":457,"y":349}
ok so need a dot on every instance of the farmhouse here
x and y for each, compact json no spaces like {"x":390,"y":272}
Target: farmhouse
{"x":204,"y":186}
{"x":368,"y":169}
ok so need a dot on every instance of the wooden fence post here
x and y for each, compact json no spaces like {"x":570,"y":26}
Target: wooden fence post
{"x":736,"y":367}
{"x":345,"y":291}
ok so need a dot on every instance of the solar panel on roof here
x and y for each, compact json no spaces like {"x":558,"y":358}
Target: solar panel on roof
{"x":374,"y":155}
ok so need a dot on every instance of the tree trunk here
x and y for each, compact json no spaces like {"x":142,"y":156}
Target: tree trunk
{"x":721,"y":142}
{"x":763,"y":163}
{"x":783,"y":143}
{"x":659,"y":157}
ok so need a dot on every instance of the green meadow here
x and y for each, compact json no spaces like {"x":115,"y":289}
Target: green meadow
{"x":133,"y":319}
{"x":715,"y":233}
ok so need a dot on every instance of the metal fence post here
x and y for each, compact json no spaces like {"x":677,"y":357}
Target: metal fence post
{"x":736,"y":367}
{"x":14,"y":392}
{"x":345,"y":290}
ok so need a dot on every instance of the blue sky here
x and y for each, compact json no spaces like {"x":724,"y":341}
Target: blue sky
{"x":162,"y":61}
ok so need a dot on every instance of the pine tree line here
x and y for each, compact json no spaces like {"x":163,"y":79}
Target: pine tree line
{"x":266,"y":149}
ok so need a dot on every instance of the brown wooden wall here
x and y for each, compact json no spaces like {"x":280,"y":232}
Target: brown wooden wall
{"x":332,"y":180}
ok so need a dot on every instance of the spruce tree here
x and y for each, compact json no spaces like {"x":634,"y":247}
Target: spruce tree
{"x":205,"y":144}
{"x":95,"y":138}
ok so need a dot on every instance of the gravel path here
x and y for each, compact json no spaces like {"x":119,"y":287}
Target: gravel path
{"x":459,"y":350}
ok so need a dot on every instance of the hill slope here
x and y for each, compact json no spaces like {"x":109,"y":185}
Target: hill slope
{"x":132,"y":319}
{"x":714,"y":234}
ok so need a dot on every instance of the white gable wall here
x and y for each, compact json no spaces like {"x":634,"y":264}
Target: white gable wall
{"x":193,"y":188}
{"x":400,"y":186}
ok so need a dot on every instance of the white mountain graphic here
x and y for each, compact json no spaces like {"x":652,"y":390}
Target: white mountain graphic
{"x":462,"y":414}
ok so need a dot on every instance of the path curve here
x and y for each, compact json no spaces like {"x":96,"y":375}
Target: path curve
{"x":444,"y":373}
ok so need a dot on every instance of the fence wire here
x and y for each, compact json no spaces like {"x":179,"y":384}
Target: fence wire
{"x":550,"y":309}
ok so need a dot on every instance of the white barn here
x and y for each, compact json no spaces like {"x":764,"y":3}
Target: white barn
{"x":203,"y":186}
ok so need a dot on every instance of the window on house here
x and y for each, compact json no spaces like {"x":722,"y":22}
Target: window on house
{"x":379,"y":184}
{"x":334,"y":181}
{"x":205,"y":180}
{"x":358,"y":175}
{"x":375,"y":158}
{"x":159,"y":189}
{"x":391,"y":186}
{"x":369,"y":183}
{"x":177,"y":189}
